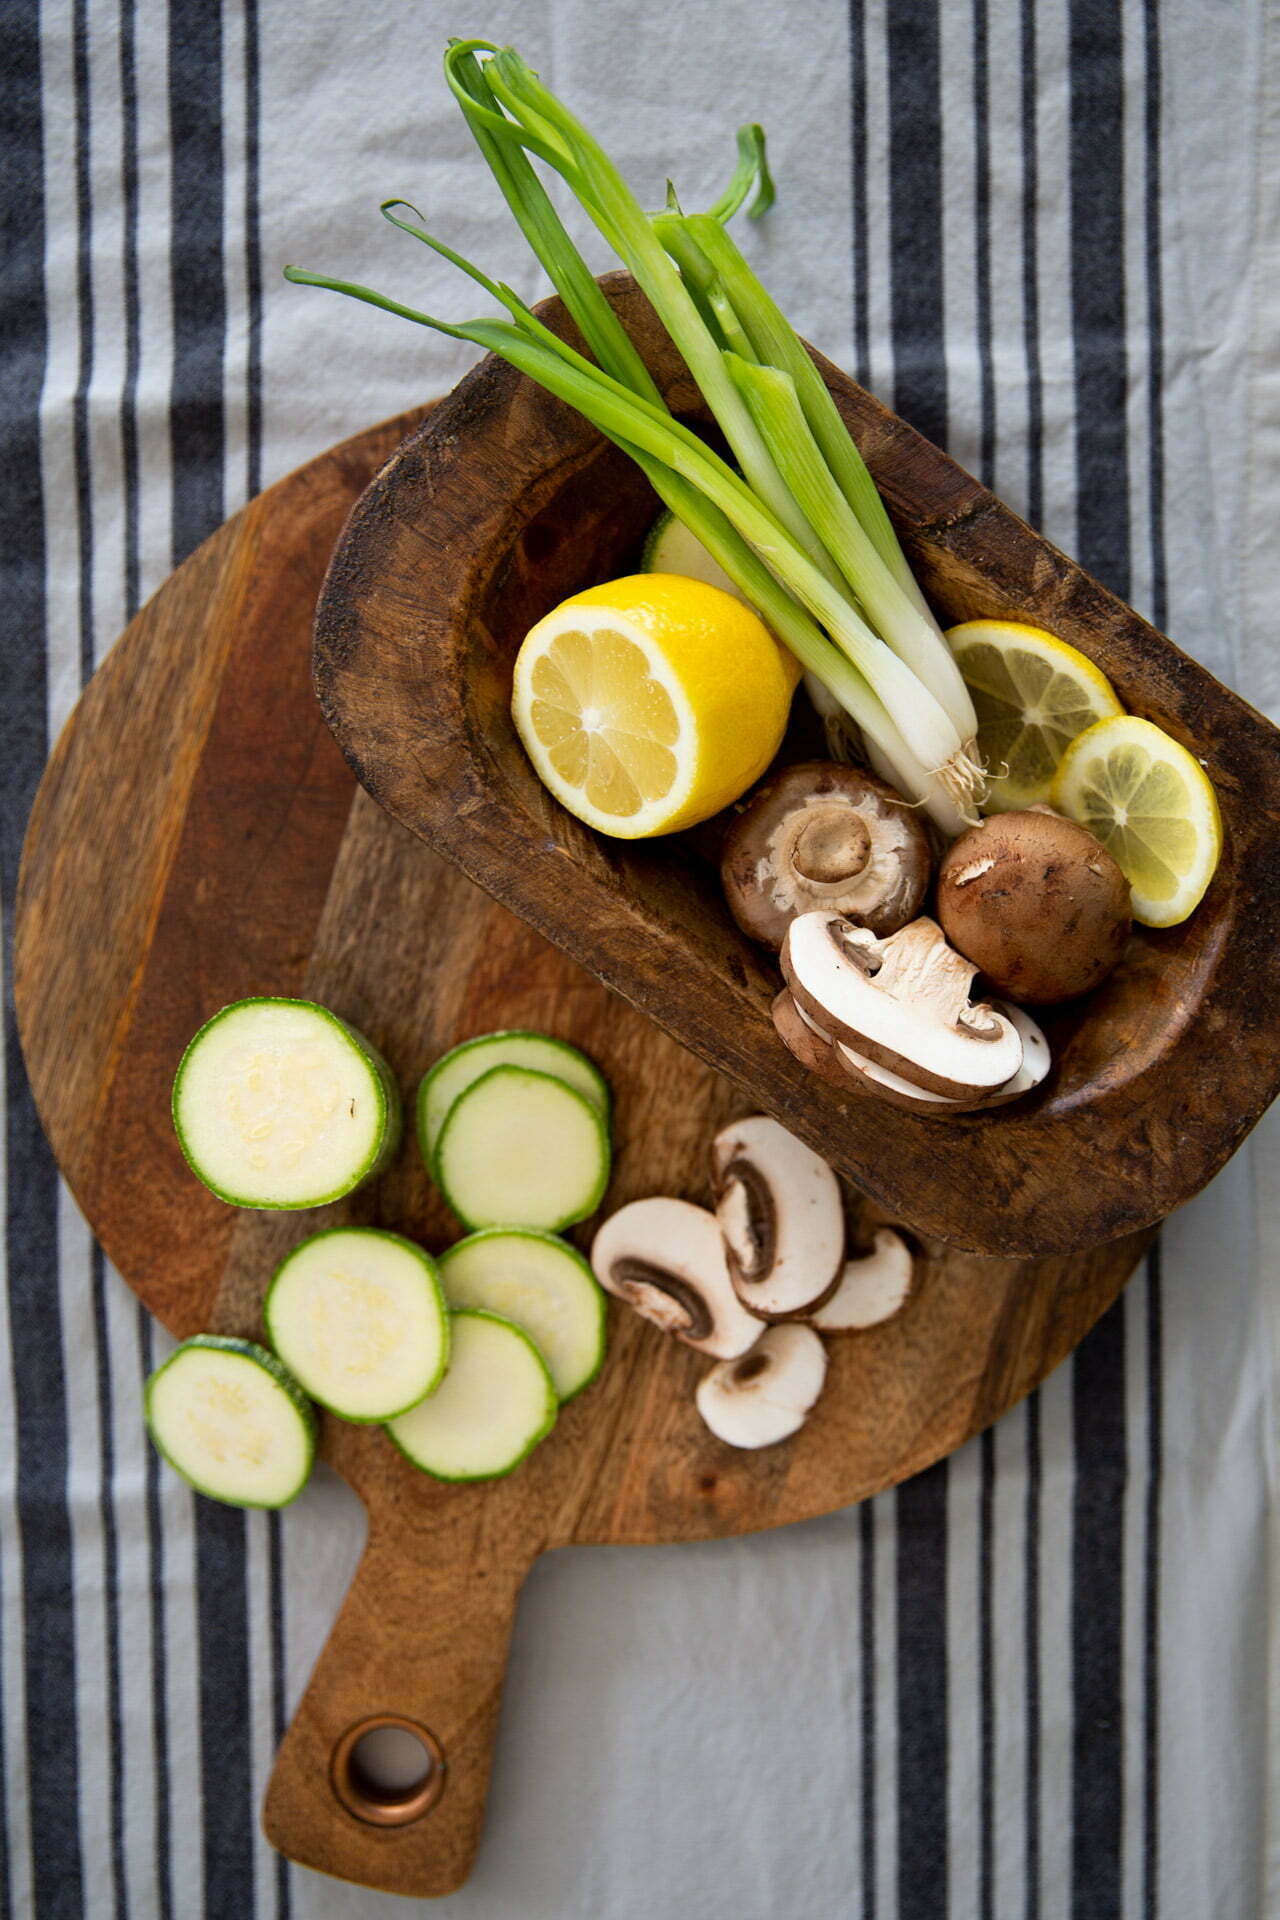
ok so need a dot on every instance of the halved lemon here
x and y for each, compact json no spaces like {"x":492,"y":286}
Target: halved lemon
{"x":1152,"y":806}
{"x":650,"y":703}
{"x":1033,"y":694}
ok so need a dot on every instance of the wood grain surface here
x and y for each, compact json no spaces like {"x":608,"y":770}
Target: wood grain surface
{"x":198,"y":837}
{"x":505,"y":502}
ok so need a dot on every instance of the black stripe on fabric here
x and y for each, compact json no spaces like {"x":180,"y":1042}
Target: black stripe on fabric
{"x":198,"y":432}
{"x":275,"y":1584}
{"x":1096,"y":53}
{"x":1097,"y":1620}
{"x":867,"y":1635}
{"x":1031,"y":268}
{"x":132,"y":308}
{"x":1155,"y":323}
{"x":111,"y":1582}
{"x":253,"y":239}
{"x":858,"y":163}
{"x":1031,"y":1658}
{"x":982,"y":244}
{"x":39,"y":1387}
{"x":84,"y":305}
{"x":915,"y":216}
{"x":922,"y":1695}
{"x":197,"y":423}
{"x":159,"y":1651}
{"x":986,"y":1676}
{"x":1151,"y":1593}
{"x":920,"y":395}
{"x":1097,"y":290}
{"x":225,"y":1710}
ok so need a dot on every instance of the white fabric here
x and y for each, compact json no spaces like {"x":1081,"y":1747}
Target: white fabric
{"x":682,"y":1728}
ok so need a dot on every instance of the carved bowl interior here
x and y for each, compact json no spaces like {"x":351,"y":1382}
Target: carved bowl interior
{"x":503,"y":503}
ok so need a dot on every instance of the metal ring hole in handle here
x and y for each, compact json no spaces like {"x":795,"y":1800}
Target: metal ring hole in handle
{"x":387,"y":1770}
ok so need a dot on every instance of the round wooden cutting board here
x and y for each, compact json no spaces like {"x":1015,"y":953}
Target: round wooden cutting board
{"x":198,"y":837}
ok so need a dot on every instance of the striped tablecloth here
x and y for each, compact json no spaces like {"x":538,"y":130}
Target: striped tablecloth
{"x":1035,"y":1681}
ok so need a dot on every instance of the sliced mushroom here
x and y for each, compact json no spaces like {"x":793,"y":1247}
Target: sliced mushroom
{"x":872,"y":1078}
{"x":821,"y":835}
{"x":801,"y":1038}
{"x":868,"y":1076}
{"x":1037,"y":1058}
{"x":666,"y":1259}
{"x":902,"y":1002}
{"x":872,"y":1288}
{"x":780,"y":1212}
{"x":766,"y":1395}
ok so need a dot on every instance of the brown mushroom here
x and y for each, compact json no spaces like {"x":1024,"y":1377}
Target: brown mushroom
{"x":1036,"y":903}
{"x":822,"y":835}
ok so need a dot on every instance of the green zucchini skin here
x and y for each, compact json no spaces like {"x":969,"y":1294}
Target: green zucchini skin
{"x":431,"y":1273}
{"x":586,"y":1207}
{"x":279,"y":1373}
{"x":386,"y":1093}
{"x":427,"y":1145}
{"x":552,"y":1408}
{"x":565,"y":1247}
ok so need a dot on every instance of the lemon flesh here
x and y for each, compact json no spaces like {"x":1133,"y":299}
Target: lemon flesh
{"x":650,"y":703}
{"x":1033,"y":694}
{"x":1153,"y":808}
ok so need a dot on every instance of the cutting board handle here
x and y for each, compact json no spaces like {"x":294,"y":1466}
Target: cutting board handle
{"x":422,"y":1639}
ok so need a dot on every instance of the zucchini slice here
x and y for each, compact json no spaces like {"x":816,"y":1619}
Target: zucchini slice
{"x":232,"y":1421}
{"x":279,"y":1103}
{"x":671,"y":548}
{"x":491,"y":1409}
{"x":458,"y":1069}
{"x":543,"y":1286}
{"x":521,"y":1149}
{"x":358,"y":1317}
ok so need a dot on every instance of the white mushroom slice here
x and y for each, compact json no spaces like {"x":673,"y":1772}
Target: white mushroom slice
{"x":767,"y":1395}
{"x":903,"y":1002}
{"x":666,"y":1259}
{"x":872,"y":1288}
{"x":779,"y":1208}
{"x":812,"y":1024}
{"x":1036,"y":1055}
{"x":870,"y":1077}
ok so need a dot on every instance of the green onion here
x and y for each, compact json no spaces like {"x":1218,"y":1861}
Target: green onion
{"x":775,"y":407}
{"x":800,"y":530}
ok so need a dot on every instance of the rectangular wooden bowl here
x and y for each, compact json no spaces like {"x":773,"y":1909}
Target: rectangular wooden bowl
{"x":503,"y":503}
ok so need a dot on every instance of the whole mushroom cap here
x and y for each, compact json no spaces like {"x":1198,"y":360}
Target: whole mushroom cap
{"x":1036,"y":903}
{"x":822,"y":835}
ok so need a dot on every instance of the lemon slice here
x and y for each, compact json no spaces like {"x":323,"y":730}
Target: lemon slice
{"x":1033,"y":694}
{"x":1153,"y":808}
{"x":650,"y":703}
